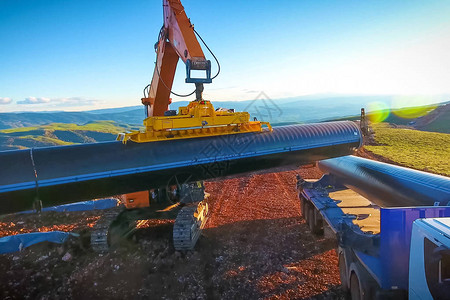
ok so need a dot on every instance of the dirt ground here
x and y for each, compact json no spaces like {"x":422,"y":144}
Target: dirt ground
{"x":255,"y":246}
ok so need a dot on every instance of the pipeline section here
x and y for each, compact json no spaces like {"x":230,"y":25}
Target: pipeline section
{"x":65,"y":174}
{"x":388,"y":185}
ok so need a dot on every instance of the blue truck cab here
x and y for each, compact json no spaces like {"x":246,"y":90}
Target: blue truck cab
{"x":429,"y":263}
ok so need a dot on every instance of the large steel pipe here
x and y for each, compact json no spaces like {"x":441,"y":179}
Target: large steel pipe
{"x":87,"y":171}
{"x":388,"y":185}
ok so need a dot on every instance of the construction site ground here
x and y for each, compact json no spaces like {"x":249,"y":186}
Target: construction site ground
{"x":256,"y":245}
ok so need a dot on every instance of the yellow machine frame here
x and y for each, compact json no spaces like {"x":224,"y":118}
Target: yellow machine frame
{"x":198,"y":119}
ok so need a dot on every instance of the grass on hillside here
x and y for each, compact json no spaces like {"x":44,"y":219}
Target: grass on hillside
{"x":46,"y":140}
{"x":428,"y":151}
{"x":100,"y":126}
{"x":59,"y":134}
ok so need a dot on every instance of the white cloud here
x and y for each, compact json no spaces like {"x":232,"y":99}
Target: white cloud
{"x":70,"y":101}
{"x":74,"y":101}
{"x":34,"y":100}
{"x":5,"y":100}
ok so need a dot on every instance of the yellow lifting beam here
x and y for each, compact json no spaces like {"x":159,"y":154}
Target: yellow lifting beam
{"x":198,"y":119}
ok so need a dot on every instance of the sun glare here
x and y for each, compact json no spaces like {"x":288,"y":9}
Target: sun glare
{"x":378,"y":111}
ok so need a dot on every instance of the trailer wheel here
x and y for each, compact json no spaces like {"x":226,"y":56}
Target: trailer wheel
{"x":306,"y":210}
{"x":303,"y":206}
{"x":355,"y":291}
{"x":318,"y":222}
{"x":312,"y":221}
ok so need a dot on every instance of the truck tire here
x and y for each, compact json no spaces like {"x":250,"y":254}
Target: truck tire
{"x":358,"y":290}
{"x":343,"y":273}
{"x":355,"y":290}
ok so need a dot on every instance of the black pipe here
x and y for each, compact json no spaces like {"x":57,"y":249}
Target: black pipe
{"x":73,"y":173}
{"x":388,"y":185}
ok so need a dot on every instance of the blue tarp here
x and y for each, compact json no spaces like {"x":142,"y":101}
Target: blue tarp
{"x":81,"y":206}
{"x":18,"y":242}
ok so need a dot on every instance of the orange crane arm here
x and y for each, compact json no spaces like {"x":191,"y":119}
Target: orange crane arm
{"x":176,"y":40}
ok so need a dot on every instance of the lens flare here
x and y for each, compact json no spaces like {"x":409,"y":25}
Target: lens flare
{"x":377,"y":111}
{"x":411,"y":107}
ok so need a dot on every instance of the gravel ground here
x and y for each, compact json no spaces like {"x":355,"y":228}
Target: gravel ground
{"x":255,"y":246}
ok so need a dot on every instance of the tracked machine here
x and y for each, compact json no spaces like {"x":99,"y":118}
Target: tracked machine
{"x":160,"y":169}
{"x":180,"y":199}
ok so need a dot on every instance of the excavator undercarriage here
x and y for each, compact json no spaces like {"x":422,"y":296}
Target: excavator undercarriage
{"x":185,"y":203}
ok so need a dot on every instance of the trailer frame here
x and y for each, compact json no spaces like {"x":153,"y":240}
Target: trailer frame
{"x":374,"y":265}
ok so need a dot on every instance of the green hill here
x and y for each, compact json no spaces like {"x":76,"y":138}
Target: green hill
{"x":58,"y":134}
{"x":435,"y":118}
{"x":422,"y":150}
{"x":427,"y":118}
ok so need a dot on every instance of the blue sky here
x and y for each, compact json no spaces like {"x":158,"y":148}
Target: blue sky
{"x":77,"y":55}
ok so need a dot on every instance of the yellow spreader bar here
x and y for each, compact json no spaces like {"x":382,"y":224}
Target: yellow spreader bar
{"x":198,"y":119}
{"x":176,"y":134}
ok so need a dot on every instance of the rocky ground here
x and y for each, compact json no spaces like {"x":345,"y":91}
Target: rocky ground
{"x":255,"y":246}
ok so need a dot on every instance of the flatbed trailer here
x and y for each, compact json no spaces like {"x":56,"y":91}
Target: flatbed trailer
{"x":373,"y":242}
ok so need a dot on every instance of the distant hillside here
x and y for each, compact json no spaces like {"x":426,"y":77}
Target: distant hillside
{"x":26,"y":119}
{"x":435,"y":118}
{"x":286,"y":111}
{"x":59,"y":134}
{"x":24,"y":130}
{"x":426,"y":118}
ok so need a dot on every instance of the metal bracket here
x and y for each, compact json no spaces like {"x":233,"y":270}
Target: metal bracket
{"x":198,"y":65}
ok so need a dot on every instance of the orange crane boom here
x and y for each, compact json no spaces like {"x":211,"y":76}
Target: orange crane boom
{"x":176,"y":40}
